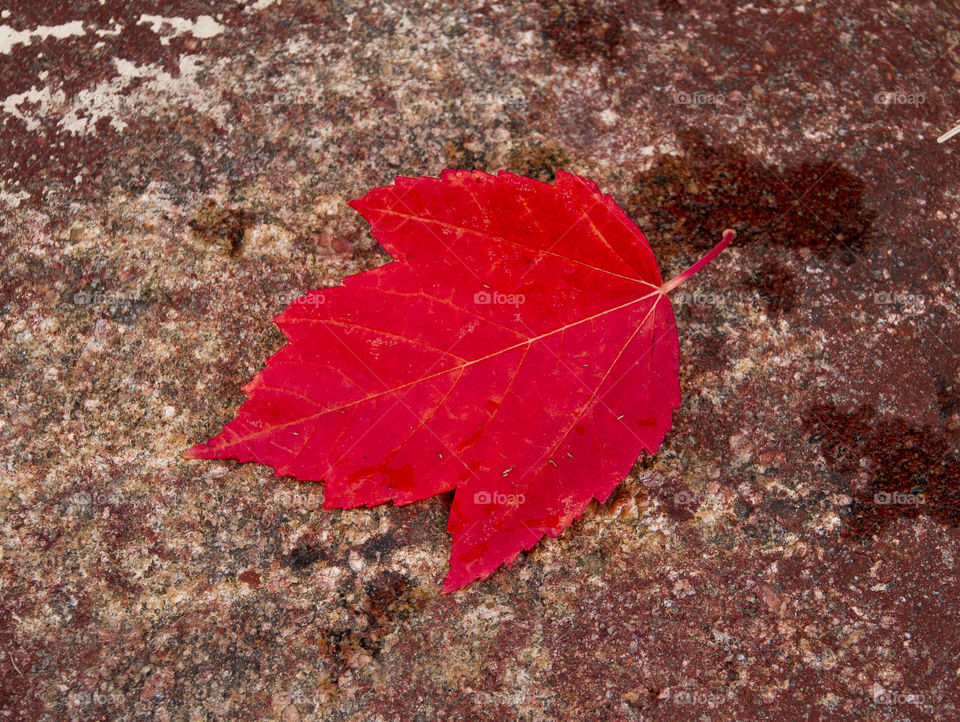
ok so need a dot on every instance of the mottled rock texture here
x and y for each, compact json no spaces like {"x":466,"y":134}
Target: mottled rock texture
{"x":173,"y":174}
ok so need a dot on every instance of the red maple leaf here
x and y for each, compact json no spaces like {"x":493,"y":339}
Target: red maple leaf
{"x":520,"y":350}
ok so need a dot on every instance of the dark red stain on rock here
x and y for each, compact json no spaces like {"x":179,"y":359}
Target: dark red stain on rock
{"x":890,"y":468}
{"x":250,"y":578}
{"x":223,"y":225}
{"x":579,"y":29}
{"x":775,"y":285}
{"x":715,"y":186}
{"x":303,"y":556}
{"x":540,"y":161}
{"x":379,"y":548}
{"x":679,"y":502}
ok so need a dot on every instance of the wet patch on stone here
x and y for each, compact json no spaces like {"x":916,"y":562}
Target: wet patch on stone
{"x":693,"y":196}
{"x":579,"y":29}
{"x":223,"y":225}
{"x":888,"y":468}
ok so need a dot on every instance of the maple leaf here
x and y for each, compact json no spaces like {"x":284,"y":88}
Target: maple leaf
{"x":520,"y":350}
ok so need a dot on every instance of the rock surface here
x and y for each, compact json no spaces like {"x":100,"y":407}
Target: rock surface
{"x":171,"y":179}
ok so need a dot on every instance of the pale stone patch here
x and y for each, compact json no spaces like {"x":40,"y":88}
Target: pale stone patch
{"x":10,"y":37}
{"x":260,"y":5}
{"x":203,"y":27}
{"x":13,"y":200}
{"x":108,"y":100}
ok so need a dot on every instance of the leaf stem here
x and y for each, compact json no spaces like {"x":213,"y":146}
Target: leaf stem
{"x":949,"y":134}
{"x":728,"y":235}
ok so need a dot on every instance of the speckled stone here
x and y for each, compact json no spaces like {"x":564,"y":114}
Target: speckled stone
{"x":170,"y":179}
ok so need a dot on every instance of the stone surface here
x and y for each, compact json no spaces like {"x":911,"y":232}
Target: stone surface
{"x":170,"y":178}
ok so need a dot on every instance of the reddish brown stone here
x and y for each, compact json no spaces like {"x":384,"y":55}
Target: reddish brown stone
{"x":167,"y":187}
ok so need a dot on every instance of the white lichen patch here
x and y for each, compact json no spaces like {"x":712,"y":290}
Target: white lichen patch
{"x":203,"y":27}
{"x":109,"y":99}
{"x":11,"y":199}
{"x":258,"y":5}
{"x":10,"y":36}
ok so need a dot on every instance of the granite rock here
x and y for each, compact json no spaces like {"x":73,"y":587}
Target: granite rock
{"x":171,"y":178}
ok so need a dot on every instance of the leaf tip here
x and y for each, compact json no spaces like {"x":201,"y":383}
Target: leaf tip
{"x":453,"y":583}
{"x":196,"y":452}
